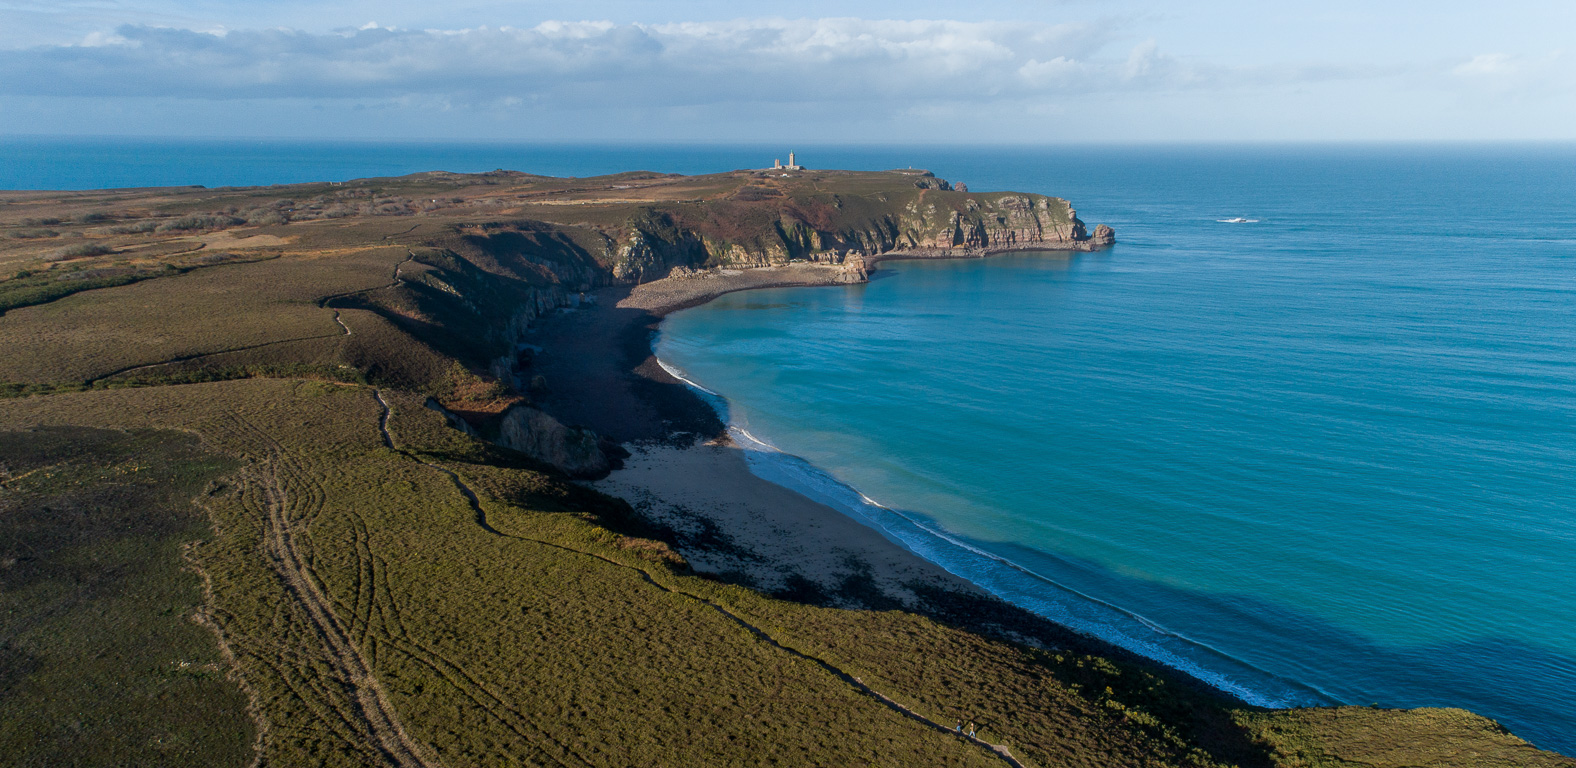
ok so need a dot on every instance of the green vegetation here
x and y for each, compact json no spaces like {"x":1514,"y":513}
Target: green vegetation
{"x":135,"y":229}
{"x":382,"y":589}
{"x":32,"y":234}
{"x":28,"y":288}
{"x":101,"y":662}
{"x":1364,"y":737}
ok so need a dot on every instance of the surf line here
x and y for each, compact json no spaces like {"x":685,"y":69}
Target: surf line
{"x":1163,"y":646}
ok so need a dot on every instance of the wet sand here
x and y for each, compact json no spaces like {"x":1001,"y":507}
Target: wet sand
{"x":732,"y":523}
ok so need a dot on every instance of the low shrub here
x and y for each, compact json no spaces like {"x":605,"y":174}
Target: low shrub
{"x":33,"y":234}
{"x":138,"y":228}
{"x":199,"y":221}
{"x":266,"y":218}
{"x":80,"y":250}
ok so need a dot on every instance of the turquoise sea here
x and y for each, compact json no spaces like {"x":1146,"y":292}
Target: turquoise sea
{"x":1325,"y":455}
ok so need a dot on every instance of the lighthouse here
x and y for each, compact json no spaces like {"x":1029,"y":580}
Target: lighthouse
{"x":793,"y":164}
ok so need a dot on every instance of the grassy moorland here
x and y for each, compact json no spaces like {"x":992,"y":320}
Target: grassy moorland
{"x":233,"y":531}
{"x":102,"y":662}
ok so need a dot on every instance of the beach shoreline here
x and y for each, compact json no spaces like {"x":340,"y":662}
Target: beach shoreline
{"x":689,"y":478}
{"x":676,"y":293}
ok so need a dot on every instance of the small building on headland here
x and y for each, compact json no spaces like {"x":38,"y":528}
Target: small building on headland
{"x":793,"y":164}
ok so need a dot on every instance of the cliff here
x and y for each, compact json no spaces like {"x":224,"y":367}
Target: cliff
{"x":761,"y":226}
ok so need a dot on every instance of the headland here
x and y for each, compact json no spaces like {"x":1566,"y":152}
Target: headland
{"x":387,"y":396}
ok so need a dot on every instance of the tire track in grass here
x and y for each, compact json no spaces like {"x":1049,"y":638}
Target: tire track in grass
{"x":999,"y":751}
{"x":372,"y":710}
{"x":211,"y":618}
{"x":397,"y":639}
{"x":454,"y":673}
{"x":295,"y":670}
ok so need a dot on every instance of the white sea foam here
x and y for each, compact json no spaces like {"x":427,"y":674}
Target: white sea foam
{"x":678,"y":374}
{"x":1006,"y":579}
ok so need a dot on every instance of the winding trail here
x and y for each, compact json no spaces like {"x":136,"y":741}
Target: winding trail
{"x":999,"y":751}
{"x":397,"y":280}
{"x":201,"y":355}
{"x":323,"y":303}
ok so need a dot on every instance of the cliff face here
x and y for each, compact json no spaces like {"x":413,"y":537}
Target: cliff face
{"x":998,"y":221}
{"x":651,"y":245}
{"x":829,"y":228}
{"x":757,"y":224}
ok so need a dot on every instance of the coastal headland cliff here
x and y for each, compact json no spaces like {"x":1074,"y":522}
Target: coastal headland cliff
{"x":383,"y":472}
{"x":479,"y":258}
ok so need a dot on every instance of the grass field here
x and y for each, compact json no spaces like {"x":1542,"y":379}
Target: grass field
{"x":101,"y":661}
{"x":234,"y":532}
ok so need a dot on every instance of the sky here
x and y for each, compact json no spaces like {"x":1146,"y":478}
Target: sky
{"x":984,"y":72}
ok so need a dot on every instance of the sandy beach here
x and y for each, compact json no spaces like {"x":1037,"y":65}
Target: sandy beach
{"x":730,"y":522}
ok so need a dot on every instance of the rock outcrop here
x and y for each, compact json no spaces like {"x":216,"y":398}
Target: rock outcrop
{"x":853,"y":270}
{"x":575,"y":451}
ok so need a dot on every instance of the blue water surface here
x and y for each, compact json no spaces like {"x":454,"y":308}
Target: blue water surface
{"x":1328,"y":456}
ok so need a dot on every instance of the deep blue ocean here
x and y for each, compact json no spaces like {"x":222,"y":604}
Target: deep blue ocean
{"x":1324,"y":455}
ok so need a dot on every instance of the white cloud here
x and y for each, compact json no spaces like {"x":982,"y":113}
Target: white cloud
{"x":1489,"y":64}
{"x":1058,"y":70}
{"x":832,"y":61}
{"x":98,"y":39}
{"x":745,"y":77}
{"x":1142,"y":61}
{"x":1509,"y":78}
